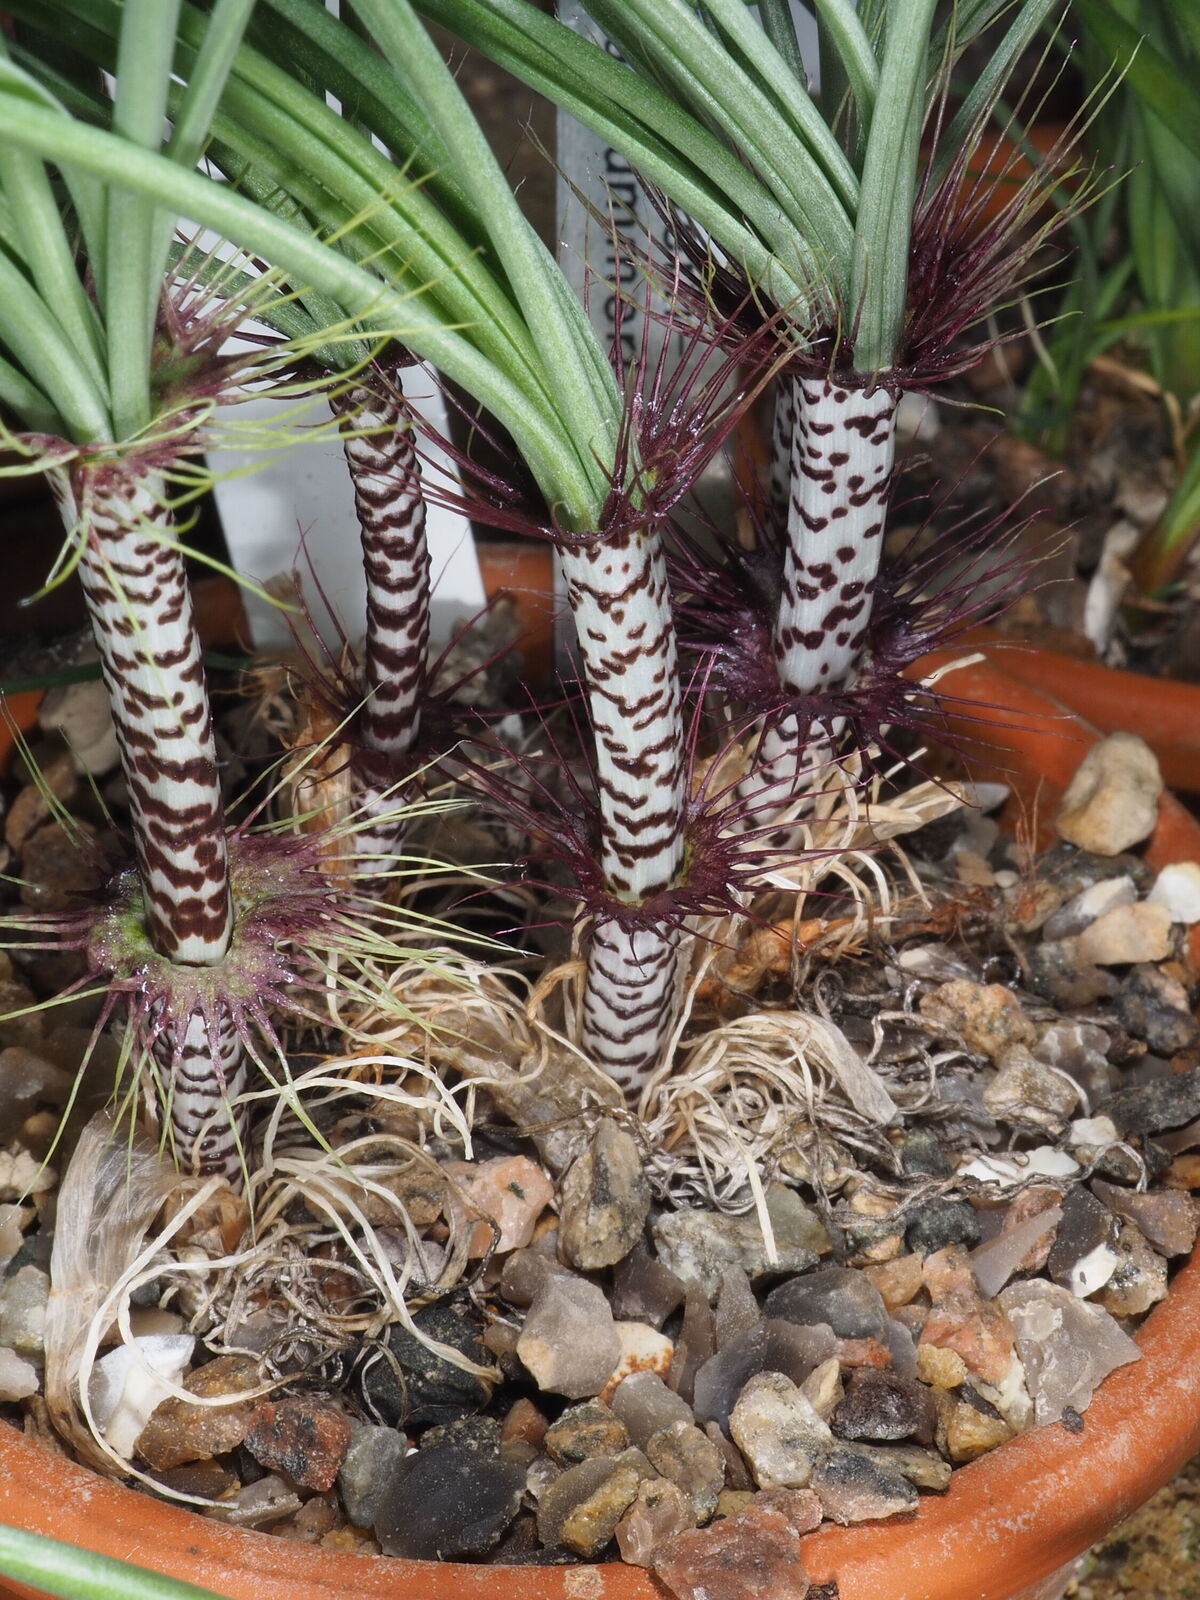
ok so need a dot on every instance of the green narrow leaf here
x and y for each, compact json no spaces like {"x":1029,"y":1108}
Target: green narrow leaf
{"x":74,"y":1574}
{"x":145,"y":54}
{"x":27,"y":400}
{"x":660,"y":139}
{"x":780,"y":28}
{"x":985,"y":91}
{"x":880,"y":280}
{"x":48,"y":254}
{"x":586,"y":391}
{"x":841,"y":26}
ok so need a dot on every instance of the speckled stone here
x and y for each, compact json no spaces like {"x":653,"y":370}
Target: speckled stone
{"x":987,"y":1017}
{"x":938,"y":1223}
{"x":300,"y":1437}
{"x":961,"y":1320}
{"x":697,"y":1246}
{"x":1167,"y":1218}
{"x":685,"y":1455}
{"x":853,"y":1487}
{"x":605,"y":1200}
{"x":1140,"y":1278}
{"x":179,"y":1431}
{"x":581,"y":1509}
{"x":1154,"y":1006}
{"x":583,"y":1431}
{"x":778,"y":1432}
{"x":1153,"y":1107}
{"x":968,"y":1427}
{"x":1027,"y":1091}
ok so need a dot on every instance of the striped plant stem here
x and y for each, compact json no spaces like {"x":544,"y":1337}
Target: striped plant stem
{"x":377,"y":429}
{"x":841,"y":452}
{"x":140,"y":607}
{"x":617,"y":588}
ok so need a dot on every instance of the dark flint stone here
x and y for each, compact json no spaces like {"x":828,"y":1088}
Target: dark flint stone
{"x":1071,"y":1420}
{"x":843,"y":1298}
{"x":1154,"y":1007}
{"x":1085,"y":1225}
{"x":1074,"y":870}
{"x":643,"y":1289}
{"x":427,"y":1388}
{"x":446,"y":1501}
{"x":723,"y":1377}
{"x":921,"y":1153}
{"x":879,"y":1407}
{"x":972,"y":1397}
{"x":1155,"y":1106}
{"x":939,"y":1223}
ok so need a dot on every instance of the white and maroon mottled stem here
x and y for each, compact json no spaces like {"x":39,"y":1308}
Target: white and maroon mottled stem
{"x":842,"y":449}
{"x":617,"y":588}
{"x":783,"y":430}
{"x":203,"y":1126}
{"x":141,"y":612}
{"x":381,"y":454}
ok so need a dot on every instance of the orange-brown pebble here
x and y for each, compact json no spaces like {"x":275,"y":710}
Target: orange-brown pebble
{"x":525,"y":1422}
{"x":862,"y":1353}
{"x":899,"y":1281}
{"x":960,"y":1319}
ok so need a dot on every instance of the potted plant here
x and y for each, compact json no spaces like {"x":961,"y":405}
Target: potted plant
{"x":610,"y":461}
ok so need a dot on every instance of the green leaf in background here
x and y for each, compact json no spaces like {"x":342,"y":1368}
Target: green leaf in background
{"x":1152,"y":77}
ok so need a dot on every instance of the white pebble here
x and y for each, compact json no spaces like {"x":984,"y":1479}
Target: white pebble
{"x":1044,"y":1162}
{"x":1178,"y":888}
{"x":18,"y":1379}
{"x":131,"y":1381}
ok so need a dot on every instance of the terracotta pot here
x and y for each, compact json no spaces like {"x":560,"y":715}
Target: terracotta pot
{"x":1006,"y":1525}
{"x":1164,"y":711}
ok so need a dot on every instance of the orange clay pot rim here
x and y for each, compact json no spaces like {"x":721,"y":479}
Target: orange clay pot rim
{"x":1007,"y":1521}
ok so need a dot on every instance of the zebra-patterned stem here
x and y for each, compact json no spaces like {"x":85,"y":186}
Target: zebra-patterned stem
{"x":380,"y":452}
{"x":140,"y":606}
{"x":843,"y":445}
{"x":783,"y":429}
{"x":617,"y":588}
{"x":207,"y":1132}
{"x":141,"y":612}
{"x":629,"y":999}
{"x":842,"y":448}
